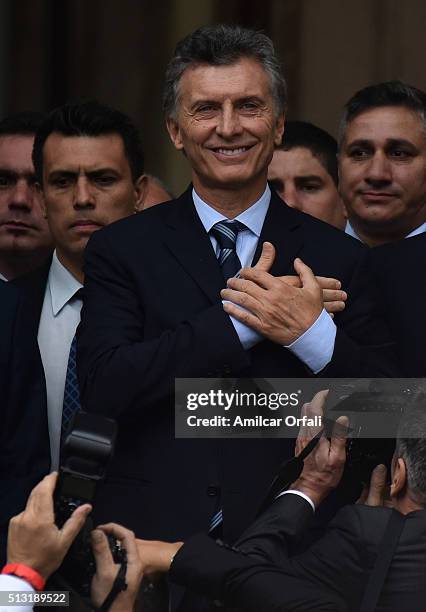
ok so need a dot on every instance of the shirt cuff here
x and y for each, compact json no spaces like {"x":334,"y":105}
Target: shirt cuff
{"x":300,"y":494}
{"x":247,"y":336}
{"x":316,"y":345}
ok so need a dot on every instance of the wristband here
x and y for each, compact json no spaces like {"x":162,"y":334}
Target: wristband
{"x":27,"y":573}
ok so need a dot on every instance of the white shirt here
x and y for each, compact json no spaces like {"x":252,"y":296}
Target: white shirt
{"x":351,"y":232}
{"x":315,"y":347}
{"x":13,"y":583}
{"x":3,"y":278}
{"x":58,"y":323}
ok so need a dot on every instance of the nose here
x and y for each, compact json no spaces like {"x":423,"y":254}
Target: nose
{"x":229,"y":121}
{"x":83,"y":197}
{"x":378,"y":170}
{"x":22,"y":197}
{"x":290,"y":197}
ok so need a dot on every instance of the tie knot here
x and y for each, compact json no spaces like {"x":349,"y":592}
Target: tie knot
{"x":226,"y":233}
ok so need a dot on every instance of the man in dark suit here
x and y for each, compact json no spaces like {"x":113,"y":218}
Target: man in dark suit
{"x":25,"y":240}
{"x":89,"y":163}
{"x":258,"y":573}
{"x":382,"y":161}
{"x":153,"y":310}
{"x":398,"y":270}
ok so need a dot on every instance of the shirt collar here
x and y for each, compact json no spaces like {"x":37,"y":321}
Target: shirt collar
{"x":3,"y":278}
{"x":62,"y":285}
{"x":253,"y":218}
{"x":419,"y":230}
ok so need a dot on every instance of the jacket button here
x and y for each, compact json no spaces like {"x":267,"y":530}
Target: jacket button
{"x":213,"y":491}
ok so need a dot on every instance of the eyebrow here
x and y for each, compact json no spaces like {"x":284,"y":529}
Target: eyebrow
{"x":30,"y":176}
{"x":90,"y":173}
{"x":308,"y":177}
{"x":390,"y":142}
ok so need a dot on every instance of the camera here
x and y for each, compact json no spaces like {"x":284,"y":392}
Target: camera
{"x":84,"y":459}
{"x":374,"y":418}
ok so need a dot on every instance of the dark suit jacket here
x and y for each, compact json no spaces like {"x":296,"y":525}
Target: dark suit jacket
{"x":259,"y":575}
{"x":24,"y":436}
{"x":399,"y":273}
{"x":152,"y":312}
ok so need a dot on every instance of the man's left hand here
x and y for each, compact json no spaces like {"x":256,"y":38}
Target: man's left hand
{"x":273,"y":308}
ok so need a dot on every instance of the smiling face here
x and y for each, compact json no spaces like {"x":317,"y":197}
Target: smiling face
{"x":227,"y":126}
{"x":23,"y":229}
{"x":302,"y":182}
{"x":87,"y":184}
{"x":383,"y":173}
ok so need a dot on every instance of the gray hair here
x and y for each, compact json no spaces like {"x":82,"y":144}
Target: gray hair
{"x":390,"y":93}
{"x":411,"y":446}
{"x":222,"y":45}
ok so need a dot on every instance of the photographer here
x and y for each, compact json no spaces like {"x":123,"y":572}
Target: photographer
{"x":261,"y":574}
{"x":36,"y":549}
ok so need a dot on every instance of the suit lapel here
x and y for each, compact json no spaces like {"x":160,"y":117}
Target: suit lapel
{"x":283,"y":227}
{"x":187,"y":239}
{"x":189,"y":242}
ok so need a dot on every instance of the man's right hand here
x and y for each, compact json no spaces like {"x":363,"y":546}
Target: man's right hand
{"x":323,"y":467}
{"x":34,"y":539}
{"x":333,"y":297}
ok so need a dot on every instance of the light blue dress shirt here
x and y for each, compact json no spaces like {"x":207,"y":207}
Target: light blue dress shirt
{"x":315,"y":347}
{"x":59,"y":318}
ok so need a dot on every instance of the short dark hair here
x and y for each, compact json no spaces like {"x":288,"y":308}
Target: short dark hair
{"x":222,"y":45}
{"x":319,"y":142}
{"x":22,"y":124}
{"x":90,"y":119}
{"x":411,"y":446}
{"x":390,"y":93}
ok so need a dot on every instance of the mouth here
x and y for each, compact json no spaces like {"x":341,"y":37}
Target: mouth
{"x":14,"y":225}
{"x":85,"y":225}
{"x":231,"y":152}
{"x":377,"y":196}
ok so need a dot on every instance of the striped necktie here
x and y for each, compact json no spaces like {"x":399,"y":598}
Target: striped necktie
{"x":226,"y":233}
{"x":71,"y":403}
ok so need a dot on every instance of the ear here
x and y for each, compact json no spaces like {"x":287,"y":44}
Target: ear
{"x":140,"y":187}
{"x":399,"y":477}
{"x":174,"y":132}
{"x":279,"y":129}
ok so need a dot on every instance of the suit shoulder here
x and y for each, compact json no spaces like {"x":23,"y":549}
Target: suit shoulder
{"x":143,"y":225}
{"x":333,"y":235}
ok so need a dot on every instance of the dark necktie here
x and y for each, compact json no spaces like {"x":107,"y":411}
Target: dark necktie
{"x":71,"y":403}
{"x":226,"y":233}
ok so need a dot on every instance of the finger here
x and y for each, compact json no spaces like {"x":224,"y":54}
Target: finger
{"x":266,"y":258}
{"x":244,"y":316}
{"x":301,"y":440}
{"x":75,"y":523}
{"x":305,"y":274}
{"x":338,"y":437}
{"x":333,"y":307}
{"x":377,"y":489}
{"x":245,"y":286}
{"x":333,"y":295}
{"x":41,"y":498}
{"x":241,"y":299}
{"x":101,"y":552}
{"x":316,"y":405}
{"x":262,"y":279}
{"x":328,"y":283}
{"x":127,"y":539}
